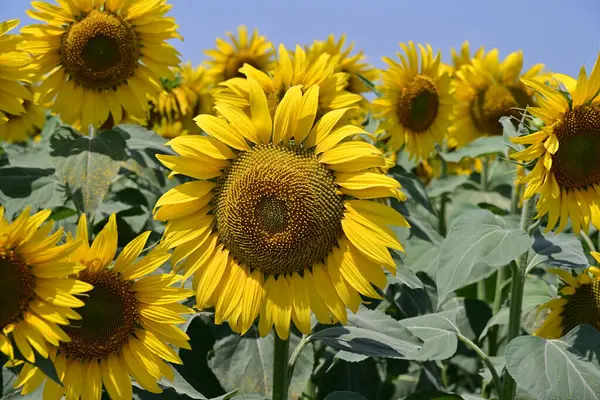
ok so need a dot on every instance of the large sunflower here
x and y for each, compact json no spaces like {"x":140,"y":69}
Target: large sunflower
{"x":19,"y":128}
{"x":347,"y":63}
{"x":172,"y":111}
{"x":416,"y":102}
{"x":228,"y":58}
{"x":486,"y":90}
{"x":128,"y":321}
{"x":14,"y":69}
{"x":101,"y":57}
{"x":567,"y":148}
{"x":291,"y":70}
{"x":279,"y":219}
{"x":578,"y":304}
{"x":35,"y":296}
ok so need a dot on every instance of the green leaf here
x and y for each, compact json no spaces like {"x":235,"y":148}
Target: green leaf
{"x":361,"y":377}
{"x":344,"y":395}
{"x":433,"y":395}
{"x":88,"y":165}
{"x":249,"y":397}
{"x":405,"y":276}
{"x":370,"y":333}
{"x":412,"y":186}
{"x":369,"y":84}
{"x":246,"y":362}
{"x":565,"y":368}
{"x":440,"y":186}
{"x":557,"y":250}
{"x":477,"y":148}
{"x":421,"y":255}
{"x":35,"y":187}
{"x":478,"y":243}
{"x":439,"y":331}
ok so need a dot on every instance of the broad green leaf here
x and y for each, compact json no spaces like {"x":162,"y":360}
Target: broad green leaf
{"x":478,"y":243}
{"x":405,"y":276}
{"x":415,"y":302}
{"x":433,"y":395}
{"x":565,"y":368}
{"x":88,"y":165}
{"x":412,"y":186}
{"x":361,"y":377}
{"x":344,"y":395}
{"x":440,"y":186}
{"x":370,"y":333}
{"x":463,"y":200}
{"x":35,"y":187}
{"x":246,"y":362}
{"x":423,"y":225}
{"x":421,"y":255}
{"x":439,"y":330}
{"x":178,"y":385}
{"x":476,"y":148}
{"x":557,"y":250}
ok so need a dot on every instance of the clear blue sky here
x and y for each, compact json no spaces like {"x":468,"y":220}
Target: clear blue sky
{"x":563,"y":34}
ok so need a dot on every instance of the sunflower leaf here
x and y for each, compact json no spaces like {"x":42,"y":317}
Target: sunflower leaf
{"x":88,"y":164}
{"x":478,"y":243}
{"x":370,"y":333}
{"x":565,"y":368}
{"x":344,"y":395}
{"x":478,"y":147}
{"x":557,"y":250}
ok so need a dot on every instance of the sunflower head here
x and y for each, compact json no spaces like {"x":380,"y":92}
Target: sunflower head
{"x":21,"y":127}
{"x":126,"y":323}
{"x":351,"y":64}
{"x":578,"y":304}
{"x":464,"y":57}
{"x":292,"y":69}
{"x":565,"y":151}
{"x":415,"y":102}
{"x":16,"y":69}
{"x":486,"y":90}
{"x":279,"y":220}
{"x":227,"y":59}
{"x":172,"y":111}
{"x":101,"y":58}
{"x":36,"y":297}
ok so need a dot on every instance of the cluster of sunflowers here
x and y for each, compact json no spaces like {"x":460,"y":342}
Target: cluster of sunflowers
{"x":286,"y":209}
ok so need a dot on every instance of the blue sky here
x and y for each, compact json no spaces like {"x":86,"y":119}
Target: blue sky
{"x":561,"y":34}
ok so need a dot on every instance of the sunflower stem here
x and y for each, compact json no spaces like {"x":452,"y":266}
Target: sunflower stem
{"x":496,"y":305}
{"x":588,"y":241}
{"x":515,"y":196}
{"x":443,"y":201}
{"x":519,"y":271}
{"x":280,"y":368}
{"x":296,"y":355}
{"x":485,"y":173}
{"x":486,"y":360}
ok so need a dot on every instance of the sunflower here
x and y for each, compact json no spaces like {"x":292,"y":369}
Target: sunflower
{"x":416,"y":102}
{"x":127,"y":320}
{"x":14,"y":70}
{"x":19,"y":128}
{"x":228,"y":58}
{"x":486,"y":90}
{"x":291,"y":70}
{"x":347,"y":63}
{"x":35,"y":296}
{"x":101,"y":57}
{"x":578,"y":304}
{"x":279,"y":219}
{"x":171,"y":113}
{"x":567,"y":171}
{"x":464,"y":56}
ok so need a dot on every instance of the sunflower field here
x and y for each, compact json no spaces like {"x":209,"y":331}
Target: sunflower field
{"x":290,"y":222}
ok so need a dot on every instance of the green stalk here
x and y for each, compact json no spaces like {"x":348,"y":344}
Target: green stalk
{"x":496,"y":305}
{"x":443,"y":201}
{"x":588,"y":241}
{"x":485,"y":174}
{"x":486,"y":361}
{"x":519,"y":268}
{"x":280,"y":368}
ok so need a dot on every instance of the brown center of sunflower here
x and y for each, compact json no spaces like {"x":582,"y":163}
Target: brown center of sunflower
{"x":100,"y":51}
{"x":576,"y":164}
{"x":16,"y":286}
{"x":418,"y":104}
{"x":234,"y":63}
{"x":278,"y":210}
{"x":495,"y":102}
{"x":583,"y":307}
{"x":109,"y":317}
